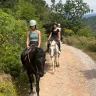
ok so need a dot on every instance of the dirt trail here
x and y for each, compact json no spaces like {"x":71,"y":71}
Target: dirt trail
{"x":76,"y":75}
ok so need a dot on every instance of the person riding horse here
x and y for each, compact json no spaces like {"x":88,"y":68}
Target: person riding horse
{"x":33,"y":57}
{"x":33,"y":37}
{"x":54,"y":35}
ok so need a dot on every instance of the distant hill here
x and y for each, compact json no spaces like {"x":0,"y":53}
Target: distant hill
{"x":89,"y":15}
{"x":91,"y":21}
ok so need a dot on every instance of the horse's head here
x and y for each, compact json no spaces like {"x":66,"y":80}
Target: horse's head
{"x":40,"y":61}
{"x":52,"y":47}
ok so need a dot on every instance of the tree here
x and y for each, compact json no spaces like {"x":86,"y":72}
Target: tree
{"x":74,"y":10}
{"x":8,"y":3}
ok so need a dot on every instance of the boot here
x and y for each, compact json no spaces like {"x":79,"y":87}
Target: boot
{"x":23,"y":69}
{"x":47,"y":50}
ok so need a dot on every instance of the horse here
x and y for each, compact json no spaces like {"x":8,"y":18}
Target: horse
{"x":33,"y":60}
{"x":54,"y":54}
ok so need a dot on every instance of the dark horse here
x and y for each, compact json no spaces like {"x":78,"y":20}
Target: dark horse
{"x":33,"y":60}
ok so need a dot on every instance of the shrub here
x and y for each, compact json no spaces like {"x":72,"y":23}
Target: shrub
{"x":82,"y":42}
{"x":87,"y":32}
{"x":6,"y":86}
{"x":12,"y":39}
{"x":68,"y":32}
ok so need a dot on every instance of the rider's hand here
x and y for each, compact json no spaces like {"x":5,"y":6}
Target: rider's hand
{"x":38,"y":46}
{"x":28,"y":47}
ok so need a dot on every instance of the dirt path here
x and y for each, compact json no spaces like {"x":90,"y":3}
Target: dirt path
{"x":76,"y":75}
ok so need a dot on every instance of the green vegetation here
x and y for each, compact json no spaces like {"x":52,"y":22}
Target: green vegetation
{"x":82,"y":42}
{"x":12,"y":33}
{"x":14,"y":23}
{"x":91,"y":21}
{"x":7,"y":88}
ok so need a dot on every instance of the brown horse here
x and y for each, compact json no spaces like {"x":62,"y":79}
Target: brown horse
{"x":33,"y":60}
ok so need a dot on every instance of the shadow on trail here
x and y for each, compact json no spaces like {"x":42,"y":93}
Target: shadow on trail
{"x":48,"y":65}
{"x":90,"y":74}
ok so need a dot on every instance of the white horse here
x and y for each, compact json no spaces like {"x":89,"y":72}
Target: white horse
{"x":54,"y":54}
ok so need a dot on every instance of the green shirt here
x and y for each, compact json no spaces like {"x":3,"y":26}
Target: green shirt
{"x":33,"y":36}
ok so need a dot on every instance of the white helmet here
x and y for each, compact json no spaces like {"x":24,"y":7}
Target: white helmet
{"x":32,"y":22}
{"x":59,"y":24}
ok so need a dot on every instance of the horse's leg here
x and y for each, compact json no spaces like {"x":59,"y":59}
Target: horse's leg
{"x":58,"y":60}
{"x":30,"y":80}
{"x":55,"y":62}
{"x":37,"y":83}
{"x":52,"y":64}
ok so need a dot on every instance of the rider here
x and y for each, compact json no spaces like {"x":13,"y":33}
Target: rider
{"x":59,"y":27}
{"x":54,"y":34}
{"x":33,"y":37}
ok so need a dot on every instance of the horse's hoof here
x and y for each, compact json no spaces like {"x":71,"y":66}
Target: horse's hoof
{"x":57,"y":65}
{"x":30,"y":94}
{"x":52,"y":73}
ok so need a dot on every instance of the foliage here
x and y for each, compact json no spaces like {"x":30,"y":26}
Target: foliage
{"x":87,"y":32}
{"x":22,"y":84}
{"x":74,"y":10}
{"x":68,"y":32}
{"x":6,"y":86}
{"x":12,"y":33}
{"x":91,"y":21}
{"x":8,"y":3}
{"x":82,"y":42}
{"x":27,"y":10}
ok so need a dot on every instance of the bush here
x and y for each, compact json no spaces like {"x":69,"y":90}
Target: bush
{"x":12,"y":39}
{"x":6,"y":86}
{"x":68,"y":32}
{"x":87,"y":32}
{"x":82,"y":42}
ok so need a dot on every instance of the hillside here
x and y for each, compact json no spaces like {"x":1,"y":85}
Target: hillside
{"x":91,"y":21}
{"x":89,"y":15}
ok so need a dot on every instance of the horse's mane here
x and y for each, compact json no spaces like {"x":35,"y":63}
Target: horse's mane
{"x":40,"y":53}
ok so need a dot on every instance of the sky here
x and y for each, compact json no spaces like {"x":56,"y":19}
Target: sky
{"x":91,"y":3}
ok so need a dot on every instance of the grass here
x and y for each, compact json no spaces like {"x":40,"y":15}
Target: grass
{"x":22,"y":85}
{"x":91,"y":54}
{"x":86,"y":44}
{"x":7,"y":87}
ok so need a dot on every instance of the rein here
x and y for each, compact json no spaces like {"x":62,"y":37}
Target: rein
{"x":31,"y":64}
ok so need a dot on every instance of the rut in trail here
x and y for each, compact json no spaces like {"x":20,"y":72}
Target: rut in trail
{"x":76,"y":75}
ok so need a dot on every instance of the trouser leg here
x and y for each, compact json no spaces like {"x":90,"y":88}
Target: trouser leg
{"x":58,"y":43}
{"x":47,"y":50}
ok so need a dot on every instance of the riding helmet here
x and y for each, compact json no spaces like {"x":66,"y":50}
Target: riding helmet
{"x":32,"y":22}
{"x":55,"y":23}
